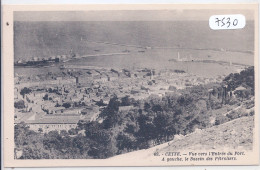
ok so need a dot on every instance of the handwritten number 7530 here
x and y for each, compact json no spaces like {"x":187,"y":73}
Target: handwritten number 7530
{"x":226,"y":22}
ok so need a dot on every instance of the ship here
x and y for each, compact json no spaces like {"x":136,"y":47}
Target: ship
{"x":37,"y":63}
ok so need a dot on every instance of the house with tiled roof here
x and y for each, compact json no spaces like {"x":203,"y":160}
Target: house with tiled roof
{"x":49,"y":123}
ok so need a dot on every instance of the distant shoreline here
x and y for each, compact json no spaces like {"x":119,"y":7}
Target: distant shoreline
{"x":210,"y":61}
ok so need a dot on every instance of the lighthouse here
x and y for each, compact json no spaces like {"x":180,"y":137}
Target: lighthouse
{"x":230,"y":63}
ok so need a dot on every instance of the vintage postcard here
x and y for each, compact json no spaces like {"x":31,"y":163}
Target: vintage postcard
{"x":130,"y":85}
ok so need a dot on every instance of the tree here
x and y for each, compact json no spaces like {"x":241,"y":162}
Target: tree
{"x":131,"y":128}
{"x":63,"y":133}
{"x":163,"y":126}
{"x":20,"y":134}
{"x":66,"y":105}
{"x":103,"y":145}
{"x":157,"y":108}
{"x":124,"y":141}
{"x":147,"y":106}
{"x":184,"y":100}
{"x":245,"y":77}
{"x":52,"y":140}
{"x":40,"y":130}
{"x":111,"y":113}
{"x":25,"y":90}
{"x":242,"y":93}
{"x":221,"y":119}
{"x":19,"y":104}
{"x":72,"y":131}
{"x":147,"y":128}
{"x":45,"y":97}
{"x":125,"y":101}
{"x":50,"y":90}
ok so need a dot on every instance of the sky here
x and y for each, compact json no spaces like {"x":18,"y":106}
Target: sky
{"x":125,"y":15}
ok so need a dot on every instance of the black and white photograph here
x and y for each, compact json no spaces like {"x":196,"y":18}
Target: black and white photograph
{"x":115,"y":85}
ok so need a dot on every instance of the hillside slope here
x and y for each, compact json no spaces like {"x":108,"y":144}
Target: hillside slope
{"x":236,"y":134}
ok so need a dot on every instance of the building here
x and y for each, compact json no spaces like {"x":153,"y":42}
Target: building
{"x":112,"y":76}
{"x":125,"y":108}
{"x":49,"y":123}
{"x":84,"y":79}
